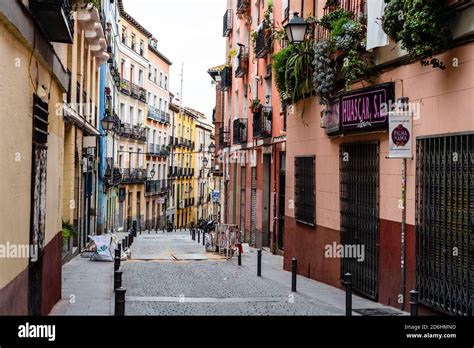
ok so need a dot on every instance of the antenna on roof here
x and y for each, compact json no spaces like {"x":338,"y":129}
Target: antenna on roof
{"x":181,"y":93}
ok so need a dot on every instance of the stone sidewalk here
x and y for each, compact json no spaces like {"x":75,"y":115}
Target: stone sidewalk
{"x":87,"y":287}
{"x":272,"y":269}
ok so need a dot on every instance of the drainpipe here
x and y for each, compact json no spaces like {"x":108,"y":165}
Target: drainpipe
{"x":403,"y":243}
{"x":275,"y":217}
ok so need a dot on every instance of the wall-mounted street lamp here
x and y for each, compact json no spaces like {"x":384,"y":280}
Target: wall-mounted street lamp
{"x":108,"y":123}
{"x":296,"y":29}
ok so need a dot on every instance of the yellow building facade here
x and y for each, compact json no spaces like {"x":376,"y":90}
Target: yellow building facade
{"x":182,"y":166}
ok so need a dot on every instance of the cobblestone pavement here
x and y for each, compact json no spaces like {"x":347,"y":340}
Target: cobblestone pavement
{"x":175,"y":281}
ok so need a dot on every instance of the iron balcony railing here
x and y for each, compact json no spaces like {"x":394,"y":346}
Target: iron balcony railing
{"x":153,"y":113}
{"x":124,"y":86}
{"x":112,"y":175}
{"x":55,"y":18}
{"x":356,"y":8}
{"x":242,"y":62}
{"x":228,"y":22}
{"x":263,"y":44}
{"x":224,"y":137}
{"x":240,"y":131}
{"x":132,"y":132}
{"x":133,"y":176}
{"x":226,"y":78}
{"x":153,"y":187}
{"x":262,"y":123}
{"x":243,"y":6}
{"x":142,"y":94}
{"x":134,"y":91}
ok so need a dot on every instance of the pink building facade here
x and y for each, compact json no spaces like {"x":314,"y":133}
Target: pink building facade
{"x":252,"y":130}
{"x":341,"y":153}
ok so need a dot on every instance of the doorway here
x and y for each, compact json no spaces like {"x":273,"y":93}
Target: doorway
{"x":266,"y":175}
{"x":359,"y":200}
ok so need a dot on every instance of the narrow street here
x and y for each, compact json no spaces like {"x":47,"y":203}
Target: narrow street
{"x":170,"y":274}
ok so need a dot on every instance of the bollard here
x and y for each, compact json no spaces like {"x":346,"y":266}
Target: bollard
{"x":203,"y":242}
{"x":348,"y":284}
{"x":127,"y":242}
{"x":120,"y":301}
{"x":119,"y":246}
{"x":117,"y":252}
{"x":414,"y":303}
{"x":259,"y":262}
{"x":130,"y":239}
{"x":124,"y":246}
{"x":239,"y":257}
{"x":117,"y":279}
{"x":199,"y":236}
{"x":116,"y":263}
{"x":293,"y":274}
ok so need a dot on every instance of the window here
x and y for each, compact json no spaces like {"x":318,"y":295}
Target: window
{"x":156,"y":75}
{"x":124,"y":35}
{"x":132,"y":115}
{"x":305,"y":201}
{"x":161,"y":104}
{"x":142,"y":48}
{"x":140,"y":116}
{"x":123,"y":115}
{"x":161,"y":79}
{"x":166,"y":107}
{"x":166,"y":82}
{"x":134,"y":42}
{"x":140,"y":78}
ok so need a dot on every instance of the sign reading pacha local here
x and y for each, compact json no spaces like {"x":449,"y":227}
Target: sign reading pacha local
{"x":366,"y":109}
{"x":400,"y":134}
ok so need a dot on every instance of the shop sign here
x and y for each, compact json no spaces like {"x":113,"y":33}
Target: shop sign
{"x":216,"y":196}
{"x":366,"y":109}
{"x":332,"y":118}
{"x":400,"y":134}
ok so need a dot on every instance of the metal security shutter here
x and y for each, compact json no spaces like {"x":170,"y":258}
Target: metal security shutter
{"x":243,"y":178}
{"x":253,"y":217}
{"x":445,"y":222}
{"x":305,"y":200}
{"x":359,"y":199}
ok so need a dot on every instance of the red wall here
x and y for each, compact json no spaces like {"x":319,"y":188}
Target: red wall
{"x":14,"y":296}
{"x":52,"y":267}
{"x":307,"y":245}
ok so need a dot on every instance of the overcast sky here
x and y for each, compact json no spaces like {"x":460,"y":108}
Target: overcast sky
{"x":188,"y":31}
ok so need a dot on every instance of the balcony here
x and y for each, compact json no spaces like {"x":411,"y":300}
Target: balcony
{"x":133,"y":176}
{"x":132,"y":132}
{"x":262,"y":123}
{"x":153,"y":113}
{"x":355,"y":7}
{"x":226,"y":78}
{"x":153,"y":187}
{"x":112,"y":175}
{"x":240,"y":131}
{"x":142,"y":94}
{"x":55,"y":18}
{"x":124,"y":86}
{"x":243,"y":7}
{"x":228,"y":22}
{"x":263,"y":42}
{"x":224,"y":137}
{"x":242,"y":62}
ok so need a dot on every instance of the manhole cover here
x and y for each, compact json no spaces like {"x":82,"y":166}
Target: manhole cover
{"x":377,"y":311}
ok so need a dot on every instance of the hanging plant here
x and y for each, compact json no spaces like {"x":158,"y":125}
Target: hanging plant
{"x":420,"y":25}
{"x":348,"y":36}
{"x":324,"y":75}
{"x":256,"y":105}
{"x":355,"y":67}
{"x":335,"y":18}
{"x":294,"y":70}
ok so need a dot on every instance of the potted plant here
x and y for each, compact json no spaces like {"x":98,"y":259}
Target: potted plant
{"x":256,"y":105}
{"x":68,"y":232}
